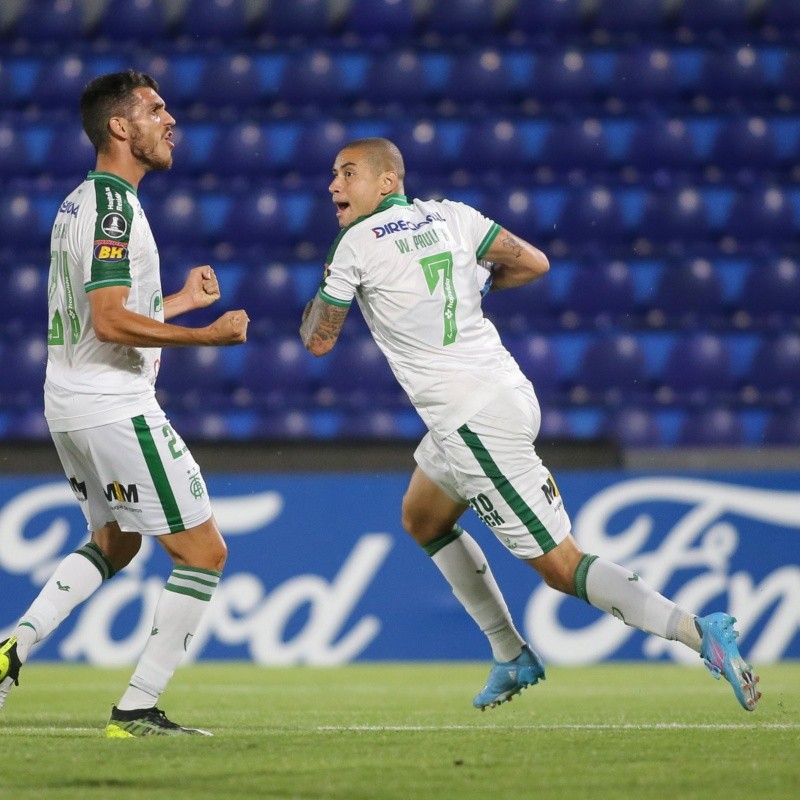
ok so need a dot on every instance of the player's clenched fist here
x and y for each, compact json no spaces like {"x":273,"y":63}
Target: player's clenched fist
{"x":230,"y":328}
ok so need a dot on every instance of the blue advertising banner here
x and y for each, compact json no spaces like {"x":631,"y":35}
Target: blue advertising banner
{"x":320,"y":571}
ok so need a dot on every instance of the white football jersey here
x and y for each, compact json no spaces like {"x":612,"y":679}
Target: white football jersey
{"x":413,"y":267}
{"x":100,"y":238}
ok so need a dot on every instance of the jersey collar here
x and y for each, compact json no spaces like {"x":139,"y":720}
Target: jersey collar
{"x":109,"y":176}
{"x":392,"y":200}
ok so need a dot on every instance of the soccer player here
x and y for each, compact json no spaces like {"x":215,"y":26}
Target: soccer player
{"x":130,"y":471}
{"x":418,"y":270}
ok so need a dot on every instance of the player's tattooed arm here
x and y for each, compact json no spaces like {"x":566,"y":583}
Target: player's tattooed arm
{"x":516,"y":262}
{"x":321,"y":326}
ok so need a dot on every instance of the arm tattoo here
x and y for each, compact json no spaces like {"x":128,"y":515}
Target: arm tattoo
{"x":323,"y":323}
{"x":510,"y":243}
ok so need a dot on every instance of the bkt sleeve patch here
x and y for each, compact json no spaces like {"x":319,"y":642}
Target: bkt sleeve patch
{"x":110,"y":251}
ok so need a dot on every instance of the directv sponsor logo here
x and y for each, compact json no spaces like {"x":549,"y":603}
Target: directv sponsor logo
{"x":403,"y":225}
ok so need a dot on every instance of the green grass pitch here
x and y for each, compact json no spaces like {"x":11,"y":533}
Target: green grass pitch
{"x":406,"y":732}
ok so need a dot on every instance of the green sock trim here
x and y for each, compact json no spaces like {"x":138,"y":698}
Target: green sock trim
{"x":26,"y":624}
{"x":580,"y":576}
{"x":432,"y":548}
{"x":98,"y":558}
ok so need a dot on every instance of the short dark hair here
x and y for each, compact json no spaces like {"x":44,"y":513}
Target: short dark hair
{"x":109,"y":96}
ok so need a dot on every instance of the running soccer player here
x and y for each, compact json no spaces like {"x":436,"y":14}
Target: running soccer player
{"x":130,"y":471}
{"x":418,"y":270}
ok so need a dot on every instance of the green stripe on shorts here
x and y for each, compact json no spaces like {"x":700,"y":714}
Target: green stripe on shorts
{"x":507,"y":491}
{"x":169,"y":504}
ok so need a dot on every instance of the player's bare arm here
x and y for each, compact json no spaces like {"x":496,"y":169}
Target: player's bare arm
{"x":321,"y":326}
{"x":516,"y":262}
{"x":200,"y":290}
{"x":113,"y":322}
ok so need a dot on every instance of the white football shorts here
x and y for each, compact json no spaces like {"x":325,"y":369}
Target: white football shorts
{"x":491,"y":463}
{"x":138,"y":472}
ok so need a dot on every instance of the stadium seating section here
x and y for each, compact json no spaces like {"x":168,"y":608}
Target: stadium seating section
{"x":650,"y":147}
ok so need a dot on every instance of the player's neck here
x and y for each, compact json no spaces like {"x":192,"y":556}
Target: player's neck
{"x":129,"y":169}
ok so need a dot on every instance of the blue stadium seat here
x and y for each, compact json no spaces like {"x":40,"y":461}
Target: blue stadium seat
{"x":284,"y":424}
{"x":374,"y":424}
{"x":396,"y":77}
{"x":601,"y":295}
{"x":698,"y":371}
{"x":563,"y":78}
{"x":481,"y":76}
{"x":783,"y":427}
{"x":7,"y":92}
{"x":784,"y":15}
{"x":307,"y":19}
{"x":384,"y":19}
{"x":173,"y":90}
{"x":24,"y":362}
{"x":29,"y":425}
{"x":733,"y":73}
{"x":575,"y":144}
{"x":521,"y":309}
{"x":359,"y":376}
{"x":591,"y":215}
{"x":214,"y":19}
{"x":69,"y":153}
{"x":311,"y":80}
{"x":771,"y":292}
{"x":761,"y":214}
{"x":745,"y":145}
{"x":15,"y":157}
{"x":688,"y":293}
{"x":714,"y":427}
{"x":317,"y":146}
{"x":538,"y":359}
{"x":789,"y":79}
{"x":631,"y":426}
{"x":646,"y":76}
{"x":611,"y":368}
{"x":775,"y":369}
{"x":134,"y":20}
{"x":662,"y":144}
{"x":276,"y":373}
{"x":59,"y":83}
{"x":22,"y":226}
{"x":638,"y":17}
{"x":243,"y":149}
{"x":23,"y":301}
{"x":679,"y":215}
{"x":515,"y":210}
{"x":177,"y":219}
{"x":705,"y":16}
{"x":258,"y":217}
{"x":546,"y":17}
{"x":59,"y":21}
{"x":492,"y":144}
{"x":423,"y":149}
{"x":471,"y":19}
{"x":230,"y":81}
{"x":192,"y":377}
{"x":270,"y":296}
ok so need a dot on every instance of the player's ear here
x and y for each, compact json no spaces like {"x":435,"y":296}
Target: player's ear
{"x":390,"y":182}
{"x":118,"y":127}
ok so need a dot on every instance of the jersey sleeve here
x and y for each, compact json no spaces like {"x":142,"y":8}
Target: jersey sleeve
{"x":341,"y":279}
{"x":110,"y":264}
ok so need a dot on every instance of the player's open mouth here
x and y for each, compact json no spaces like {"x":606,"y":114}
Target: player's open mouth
{"x":341,"y":207}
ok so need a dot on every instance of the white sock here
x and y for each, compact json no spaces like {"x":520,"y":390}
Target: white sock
{"x":462,"y":562}
{"x":77,"y":577}
{"x":180,"y":608}
{"x":624,"y":594}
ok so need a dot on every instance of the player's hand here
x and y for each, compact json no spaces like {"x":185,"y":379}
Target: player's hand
{"x":202,"y":287}
{"x":230,"y":328}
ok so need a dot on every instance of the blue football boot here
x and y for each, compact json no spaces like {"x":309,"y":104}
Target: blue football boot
{"x":507,"y":678}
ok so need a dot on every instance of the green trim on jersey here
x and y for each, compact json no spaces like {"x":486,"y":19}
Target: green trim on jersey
{"x":111,"y":264}
{"x":387,"y":202}
{"x":332,"y":300}
{"x":487,"y":241}
{"x":516,"y":503}
{"x":169,"y":504}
